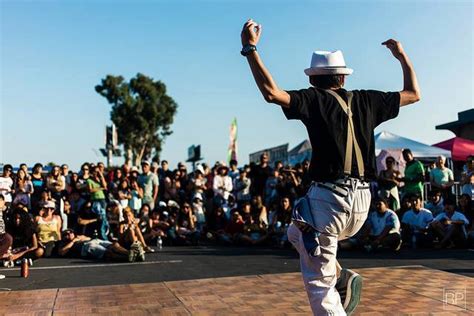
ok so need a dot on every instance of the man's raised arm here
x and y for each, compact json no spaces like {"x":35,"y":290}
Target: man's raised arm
{"x":250,"y":36}
{"x":411,"y":90}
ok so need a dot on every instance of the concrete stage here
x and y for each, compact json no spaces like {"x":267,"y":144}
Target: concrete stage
{"x":403,"y":290}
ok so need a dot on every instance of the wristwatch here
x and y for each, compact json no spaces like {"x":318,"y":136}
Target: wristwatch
{"x":248,"y":49}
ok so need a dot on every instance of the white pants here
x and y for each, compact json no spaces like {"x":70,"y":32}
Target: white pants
{"x":336,"y":218}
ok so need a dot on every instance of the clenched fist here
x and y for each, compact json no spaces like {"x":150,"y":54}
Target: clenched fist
{"x":251,"y":33}
{"x":395,"y":47}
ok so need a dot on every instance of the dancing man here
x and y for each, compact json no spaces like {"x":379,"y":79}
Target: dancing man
{"x":340,"y":126}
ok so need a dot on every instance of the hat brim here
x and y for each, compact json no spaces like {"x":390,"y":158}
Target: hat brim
{"x":328,"y":71}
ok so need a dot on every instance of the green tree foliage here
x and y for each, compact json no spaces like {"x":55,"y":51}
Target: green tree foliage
{"x":142,"y":113}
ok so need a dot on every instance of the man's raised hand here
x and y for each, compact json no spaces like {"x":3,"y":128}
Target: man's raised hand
{"x":251,"y":33}
{"x":395,"y":47}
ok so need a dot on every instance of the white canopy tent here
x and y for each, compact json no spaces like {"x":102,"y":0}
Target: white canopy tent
{"x":388,"y":141}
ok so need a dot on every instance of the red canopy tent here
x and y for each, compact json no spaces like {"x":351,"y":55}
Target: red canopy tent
{"x":460,"y":147}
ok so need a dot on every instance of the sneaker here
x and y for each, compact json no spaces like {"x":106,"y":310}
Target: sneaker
{"x":132,"y":255}
{"x":149,"y":249}
{"x":2,"y":276}
{"x":349,"y":286}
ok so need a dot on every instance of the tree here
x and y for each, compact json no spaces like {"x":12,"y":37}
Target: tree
{"x":141,"y":111}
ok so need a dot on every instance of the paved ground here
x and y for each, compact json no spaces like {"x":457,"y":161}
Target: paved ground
{"x":387,"y":291}
{"x":186,"y":263}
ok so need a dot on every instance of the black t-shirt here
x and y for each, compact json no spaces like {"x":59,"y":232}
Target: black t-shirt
{"x":75,"y":251}
{"x":88,"y":229}
{"x":326,"y":123}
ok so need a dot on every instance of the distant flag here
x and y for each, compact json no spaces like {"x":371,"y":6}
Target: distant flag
{"x":232,"y":152}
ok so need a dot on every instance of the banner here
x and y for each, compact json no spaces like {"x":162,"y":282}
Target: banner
{"x":232,"y":151}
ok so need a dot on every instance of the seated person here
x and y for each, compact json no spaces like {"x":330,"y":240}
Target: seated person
{"x":114,"y":217}
{"x":48,"y":227}
{"x":5,"y":238}
{"x":25,"y":241}
{"x":435,"y":202}
{"x":255,"y":229}
{"x":216,"y":224}
{"x":80,"y":246}
{"x":382,"y":229}
{"x":87,"y":221}
{"x":415,"y":224}
{"x":186,"y":232}
{"x":158,"y":226}
{"x":450,"y":226}
{"x":130,"y":235}
{"x":280,"y":221}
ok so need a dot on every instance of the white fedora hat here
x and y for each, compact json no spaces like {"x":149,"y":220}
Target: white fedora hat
{"x":327,"y":63}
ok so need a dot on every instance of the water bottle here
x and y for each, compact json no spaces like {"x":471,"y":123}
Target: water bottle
{"x":159,"y":243}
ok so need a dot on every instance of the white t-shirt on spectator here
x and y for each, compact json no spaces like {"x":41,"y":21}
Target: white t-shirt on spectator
{"x":378,"y":222}
{"x":6,"y":185}
{"x":418,"y":220}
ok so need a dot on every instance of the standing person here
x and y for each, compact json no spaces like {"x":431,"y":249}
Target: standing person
{"x":39,"y":185}
{"x":442,"y":178}
{"x":414,"y":175}
{"x":259,"y":175}
{"x":340,"y":134}
{"x":23,"y":189}
{"x":6,"y":184}
{"x":148,"y":181}
{"x":222,"y":185}
{"x":97,"y":185}
{"x":389,"y":180}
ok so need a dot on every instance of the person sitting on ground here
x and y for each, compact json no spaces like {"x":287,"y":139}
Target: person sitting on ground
{"x":186,"y":232}
{"x":80,"y":246}
{"x":87,"y":221}
{"x":415,"y":224}
{"x":450,"y":226}
{"x":216,"y":224}
{"x":382,"y":229}
{"x":435,"y":202}
{"x":233,"y":231}
{"x":130,"y":235}
{"x":158,"y":226}
{"x":442,"y":178}
{"x":259,"y":210}
{"x":468,"y":188}
{"x":48,"y":227}
{"x":25,"y":242}
{"x":6,"y":239}
{"x":255,"y":229}
{"x":199,"y":212}
{"x":405,"y":205}
{"x":281,"y":221}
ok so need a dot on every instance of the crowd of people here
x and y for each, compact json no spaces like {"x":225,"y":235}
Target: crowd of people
{"x":119,"y":213}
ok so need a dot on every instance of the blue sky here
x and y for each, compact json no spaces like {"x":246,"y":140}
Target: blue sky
{"x":53,"y":53}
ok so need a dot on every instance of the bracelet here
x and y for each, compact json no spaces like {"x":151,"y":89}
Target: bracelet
{"x":248,"y":49}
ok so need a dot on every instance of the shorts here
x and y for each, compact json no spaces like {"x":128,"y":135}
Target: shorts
{"x":95,"y":248}
{"x":49,"y":248}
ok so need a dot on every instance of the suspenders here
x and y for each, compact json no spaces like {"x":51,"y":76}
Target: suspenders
{"x":351,"y":143}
